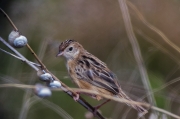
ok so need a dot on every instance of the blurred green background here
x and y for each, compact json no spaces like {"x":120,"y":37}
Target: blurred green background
{"x":98,"y":25}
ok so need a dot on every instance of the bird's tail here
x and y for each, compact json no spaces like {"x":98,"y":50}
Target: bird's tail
{"x":140,"y":109}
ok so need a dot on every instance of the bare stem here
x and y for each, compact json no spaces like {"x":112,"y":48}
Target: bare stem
{"x":19,"y":57}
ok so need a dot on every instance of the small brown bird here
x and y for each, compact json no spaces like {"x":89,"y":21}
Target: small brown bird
{"x":88,"y":72}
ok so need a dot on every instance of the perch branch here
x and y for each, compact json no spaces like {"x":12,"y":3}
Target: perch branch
{"x":64,"y":88}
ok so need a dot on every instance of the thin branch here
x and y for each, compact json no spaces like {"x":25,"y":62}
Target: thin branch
{"x":42,"y":65}
{"x":19,"y":57}
{"x":136,"y":49}
{"x":65,"y":88}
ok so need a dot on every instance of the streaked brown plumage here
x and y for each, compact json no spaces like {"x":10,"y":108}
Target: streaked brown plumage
{"x":88,"y":72}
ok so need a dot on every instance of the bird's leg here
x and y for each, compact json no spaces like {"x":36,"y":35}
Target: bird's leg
{"x":76,"y":97}
{"x":98,"y":106}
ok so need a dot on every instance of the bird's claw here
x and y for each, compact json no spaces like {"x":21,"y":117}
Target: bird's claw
{"x":95,"y":110}
{"x":76,"y":98}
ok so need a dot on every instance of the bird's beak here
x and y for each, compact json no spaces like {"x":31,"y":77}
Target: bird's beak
{"x":59,"y":54}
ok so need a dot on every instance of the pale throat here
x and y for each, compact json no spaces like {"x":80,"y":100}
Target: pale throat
{"x":70,"y":61}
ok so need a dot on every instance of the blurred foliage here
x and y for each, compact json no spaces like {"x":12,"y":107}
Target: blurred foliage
{"x":99,"y":27}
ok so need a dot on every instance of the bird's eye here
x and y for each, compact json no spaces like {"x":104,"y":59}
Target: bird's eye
{"x":71,"y":48}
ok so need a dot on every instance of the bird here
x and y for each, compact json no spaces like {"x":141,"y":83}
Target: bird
{"x":89,"y":72}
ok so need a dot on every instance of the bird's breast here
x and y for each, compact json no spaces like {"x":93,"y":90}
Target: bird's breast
{"x":70,"y":65}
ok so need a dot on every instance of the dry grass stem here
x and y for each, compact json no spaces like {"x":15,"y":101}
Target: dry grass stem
{"x":136,"y":49}
{"x":96,"y":93}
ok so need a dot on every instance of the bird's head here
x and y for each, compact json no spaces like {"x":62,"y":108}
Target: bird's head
{"x":69,"y":49}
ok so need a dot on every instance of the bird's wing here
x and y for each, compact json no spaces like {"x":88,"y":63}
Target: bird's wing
{"x":94,"y":71}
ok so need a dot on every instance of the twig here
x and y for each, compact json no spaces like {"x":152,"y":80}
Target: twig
{"x":19,"y":57}
{"x":42,"y":65}
{"x":64,"y":88}
{"x":136,"y":49}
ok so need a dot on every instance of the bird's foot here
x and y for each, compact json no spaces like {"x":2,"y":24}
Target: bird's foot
{"x":95,"y":110}
{"x":98,"y":106}
{"x":76,"y":98}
